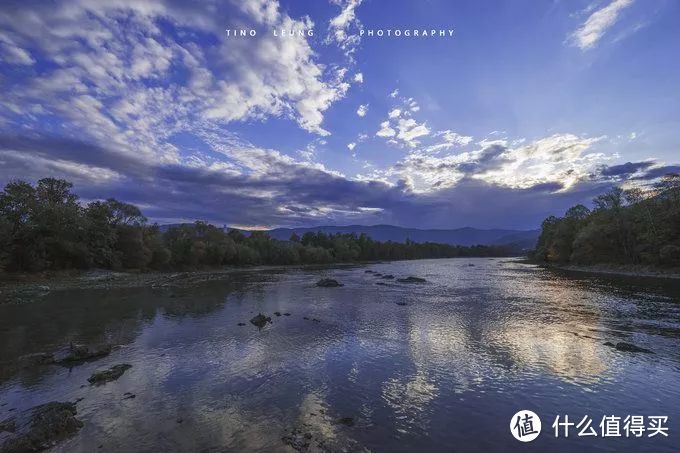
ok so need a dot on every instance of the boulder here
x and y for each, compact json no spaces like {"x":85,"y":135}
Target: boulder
{"x":82,"y":353}
{"x":111,"y":374}
{"x":411,"y":280}
{"x":628,"y":347}
{"x":328,"y":283}
{"x":260,"y":320}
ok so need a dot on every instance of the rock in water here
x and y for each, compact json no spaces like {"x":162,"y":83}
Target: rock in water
{"x":401,"y":303}
{"x":260,"y":320}
{"x":40,"y":427}
{"x":82,"y":353}
{"x":347,"y":421}
{"x":113,"y":373}
{"x":411,"y":280}
{"x":328,"y":283}
{"x":388,"y":277}
{"x":628,"y":347}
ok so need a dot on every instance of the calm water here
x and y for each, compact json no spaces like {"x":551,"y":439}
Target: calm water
{"x":445,"y":372}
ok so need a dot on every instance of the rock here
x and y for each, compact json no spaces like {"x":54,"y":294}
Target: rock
{"x":306,"y":318}
{"x":83,"y":353}
{"x":40,"y":427}
{"x":180,"y":420}
{"x":411,"y":280}
{"x":129,"y":396}
{"x":388,"y":277}
{"x":241,"y":324}
{"x":328,"y":283}
{"x":113,"y":373}
{"x":471,"y":265}
{"x":628,"y":347}
{"x":36,"y":359}
{"x":401,"y":303}
{"x":609,"y":343}
{"x":260,"y":320}
{"x":368,"y":272}
{"x":286,"y":314}
{"x":347,"y":421}
{"x":381,"y":283}
{"x":377,"y":274}
{"x":277,"y":313}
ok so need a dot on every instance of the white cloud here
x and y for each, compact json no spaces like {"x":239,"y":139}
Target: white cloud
{"x":410,"y":130}
{"x":394,"y":113}
{"x":359,"y":77}
{"x":362,"y":110}
{"x":386,"y":130}
{"x":351,"y":146}
{"x":598,"y":23}
{"x":394,"y":93}
{"x":339,"y":26}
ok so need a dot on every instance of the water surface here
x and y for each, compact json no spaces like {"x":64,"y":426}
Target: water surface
{"x":480,"y":340}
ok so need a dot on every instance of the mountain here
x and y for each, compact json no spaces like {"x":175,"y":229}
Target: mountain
{"x":460,"y":236}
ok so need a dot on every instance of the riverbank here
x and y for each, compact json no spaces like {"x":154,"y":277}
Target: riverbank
{"x":622,"y":270}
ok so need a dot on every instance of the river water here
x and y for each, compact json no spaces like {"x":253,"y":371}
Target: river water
{"x":480,"y":340}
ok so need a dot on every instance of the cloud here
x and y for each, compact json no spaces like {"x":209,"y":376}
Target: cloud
{"x":351,"y":146}
{"x":339,"y":26}
{"x":448,"y":139}
{"x":359,"y":77}
{"x":102,"y":70}
{"x":394,"y":113}
{"x":394,"y":93}
{"x":386,"y":130}
{"x":626,"y":169}
{"x":362,"y":110}
{"x":410,"y":130}
{"x":598,"y":23}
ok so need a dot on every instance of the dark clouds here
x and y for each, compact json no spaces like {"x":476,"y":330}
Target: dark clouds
{"x":287,"y":193}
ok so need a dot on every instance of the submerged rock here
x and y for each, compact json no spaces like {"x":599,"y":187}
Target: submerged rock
{"x":411,"y":280}
{"x":388,"y":277}
{"x":347,"y":421}
{"x":369,"y":272}
{"x":286,"y":314}
{"x":113,"y":373}
{"x":260,"y":320}
{"x":40,"y":428}
{"x":328,"y":283}
{"x":381,"y":283}
{"x":277,"y":313}
{"x":241,"y":324}
{"x":401,"y":303}
{"x":628,"y":347}
{"x":82,"y":353}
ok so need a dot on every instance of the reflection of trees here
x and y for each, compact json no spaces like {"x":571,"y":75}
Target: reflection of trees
{"x":95,"y":316}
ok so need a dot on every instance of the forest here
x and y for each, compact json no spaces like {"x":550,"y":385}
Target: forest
{"x":45,"y":227}
{"x":638,"y":226}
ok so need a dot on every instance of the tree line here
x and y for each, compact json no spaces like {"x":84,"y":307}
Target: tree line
{"x":45,"y":227}
{"x":632,"y":226}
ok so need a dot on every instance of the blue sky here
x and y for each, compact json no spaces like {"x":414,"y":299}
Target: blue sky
{"x":530,"y":107}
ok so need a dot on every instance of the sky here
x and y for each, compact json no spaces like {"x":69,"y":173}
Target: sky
{"x":496,"y":115}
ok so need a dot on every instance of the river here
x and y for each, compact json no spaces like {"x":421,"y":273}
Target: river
{"x":443,"y":370}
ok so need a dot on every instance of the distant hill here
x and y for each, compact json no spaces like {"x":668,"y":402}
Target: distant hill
{"x":460,"y":236}
{"x":519,"y":239}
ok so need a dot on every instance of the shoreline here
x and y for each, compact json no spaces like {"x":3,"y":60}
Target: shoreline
{"x":622,"y":270}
